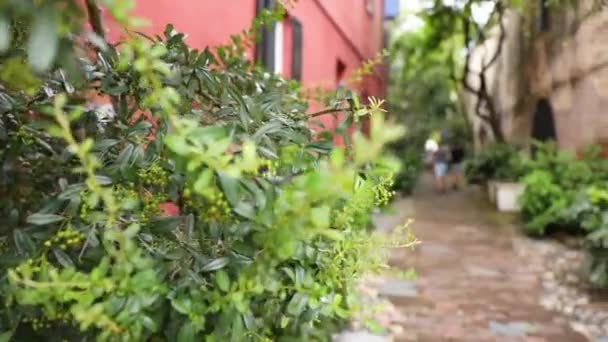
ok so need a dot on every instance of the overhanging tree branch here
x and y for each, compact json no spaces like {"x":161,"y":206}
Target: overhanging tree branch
{"x":485,"y":107}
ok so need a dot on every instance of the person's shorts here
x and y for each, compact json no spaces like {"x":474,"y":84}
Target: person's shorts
{"x":456,"y":168}
{"x":440,"y":169}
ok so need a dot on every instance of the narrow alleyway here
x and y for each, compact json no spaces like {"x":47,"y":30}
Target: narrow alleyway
{"x":476,"y":281}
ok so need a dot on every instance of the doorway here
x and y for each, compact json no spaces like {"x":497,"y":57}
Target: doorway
{"x":543,"y":124}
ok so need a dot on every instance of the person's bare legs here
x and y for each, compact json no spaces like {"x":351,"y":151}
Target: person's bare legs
{"x":456,"y":181}
{"x":440,"y":184}
{"x":440,"y":175}
{"x":456,"y":177}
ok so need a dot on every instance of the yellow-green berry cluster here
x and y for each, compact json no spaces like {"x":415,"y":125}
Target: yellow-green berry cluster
{"x":123,"y":192}
{"x":383,"y":192}
{"x":151,"y":207}
{"x":214,"y":208}
{"x":154,"y":175}
{"x":32,"y":265}
{"x":164,"y":244}
{"x":127,"y":196}
{"x":85,"y":206}
{"x":39,"y":323}
{"x":65,"y":238}
{"x":26,"y":137}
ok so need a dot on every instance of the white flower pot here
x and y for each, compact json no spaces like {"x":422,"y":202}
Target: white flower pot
{"x":507,"y":195}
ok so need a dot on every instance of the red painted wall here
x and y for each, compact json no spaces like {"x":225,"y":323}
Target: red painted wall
{"x":206,"y":22}
{"x":333,"y":31}
{"x":337,"y":30}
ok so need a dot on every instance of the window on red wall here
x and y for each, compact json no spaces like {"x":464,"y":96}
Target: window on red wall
{"x":296,"y":49}
{"x":280,"y":48}
{"x":288,"y":52}
{"x":340,"y":70}
{"x":265,"y":48}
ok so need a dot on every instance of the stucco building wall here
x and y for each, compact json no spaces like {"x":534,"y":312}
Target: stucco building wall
{"x":565,"y":64}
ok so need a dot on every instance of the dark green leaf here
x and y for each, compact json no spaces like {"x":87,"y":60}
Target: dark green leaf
{"x":23,"y":242}
{"x":187,"y":333}
{"x":243,"y":111}
{"x":254,"y":189}
{"x":138,"y":155}
{"x":267,"y":152}
{"x":297,"y":304}
{"x":299,"y":275}
{"x":182,"y":305}
{"x":103,"y":180}
{"x":245,"y":210}
{"x":125,"y":156}
{"x":149,"y":323}
{"x":142,"y":127}
{"x":42,"y":219}
{"x":215,"y":264}
{"x":105,"y":144}
{"x":189,"y":226}
{"x":72,"y":191}
{"x":268,"y":128}
{"x":222,"y":280}
{"x":230,"y":185}
{"x":63,"y":258}
{"x":164,"y":225}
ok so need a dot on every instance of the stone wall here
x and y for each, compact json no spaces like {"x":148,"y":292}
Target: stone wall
{"x":566,"y":65}
{"x":502,"y":78}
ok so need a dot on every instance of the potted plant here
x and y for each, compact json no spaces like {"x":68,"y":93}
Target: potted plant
{"x":497,"y":163}
{"x":507,"y":186}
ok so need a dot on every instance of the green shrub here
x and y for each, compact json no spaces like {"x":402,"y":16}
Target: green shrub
{"x":544,"y":201}
{"x":570,"y":193}
{"x":268,"y":234}
{"x":553,"y":185}
{"x":591,"y":210}
{"x":496,"y":162}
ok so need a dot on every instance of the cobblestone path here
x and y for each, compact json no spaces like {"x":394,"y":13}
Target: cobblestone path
{"x":477,"y":279}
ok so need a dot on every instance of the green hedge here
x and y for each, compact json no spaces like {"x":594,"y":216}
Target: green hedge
{"x":204,"y":208}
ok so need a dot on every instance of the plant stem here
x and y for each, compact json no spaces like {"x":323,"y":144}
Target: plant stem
{"x":327,"y":111}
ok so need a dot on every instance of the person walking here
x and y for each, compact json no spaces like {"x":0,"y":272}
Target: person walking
{"x":457,"y":155}
{"x":440,"y":163}
{"x":430,"y":147}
